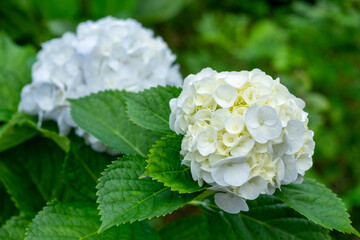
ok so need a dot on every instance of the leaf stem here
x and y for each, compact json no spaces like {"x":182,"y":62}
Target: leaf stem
{"x":203,"y":204}
{"x":202,"y":201}
{"x":87,"y":236}
{"x":204,"y":195}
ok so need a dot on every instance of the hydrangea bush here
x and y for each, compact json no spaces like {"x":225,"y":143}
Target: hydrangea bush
{"x":245,"y":134}
{"x":225,"y":155}
{"x":106,"y":54}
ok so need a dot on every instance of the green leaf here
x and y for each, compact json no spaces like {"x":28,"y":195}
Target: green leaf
{"x":7,"y":207}
{"x":49,"y":130}
{"x":101,"y":8}
{"x":77,"y":221}
{"x":164,"y":165}
{"x":23,"y":127}
{"x":15,"y":62}
{"x":123,"y":197}
{"x":268,"y":218}
{"x":13,"y":134}
{"x":82,"y":168}
{"x":14,"y":228}
{"x":317,"y":203}
{"x":220,"y":227}
{"x":150,"y":108}
{"x":104,"y":116}
{"x":159,"y":10}
{"x":189,"y":228}
{"x":132,"y":231}
{"x":52,"y":9}
{"x":31,"y":174}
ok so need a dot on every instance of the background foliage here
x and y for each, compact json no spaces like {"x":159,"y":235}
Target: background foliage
{"x":313,"y":46}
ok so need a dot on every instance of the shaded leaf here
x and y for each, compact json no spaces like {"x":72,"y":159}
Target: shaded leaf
{"x":101,"y":8}
{"x":159,"y":10}
{"x":268,"y":218}
{"x":189,"y":228}
{"x":52,"y":9}
{"x":32,"y":177}
{"x":82,"y":168}
{"x":13,"y":133}
{"x":7,"y":207}
{"x":76,"y":221}
{"x":15,"y":62}
{"x":22,"y":127}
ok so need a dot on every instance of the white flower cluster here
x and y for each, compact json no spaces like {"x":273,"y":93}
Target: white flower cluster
{"x":106,"y":54}
{"x":245,"y":134}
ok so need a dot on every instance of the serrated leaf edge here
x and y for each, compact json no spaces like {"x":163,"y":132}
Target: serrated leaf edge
{"x":158,"y":180}
{"x":103,"y":228}
{"x":149,"y":89}
{"x":136,"y":149}
{"x":354,"y":231}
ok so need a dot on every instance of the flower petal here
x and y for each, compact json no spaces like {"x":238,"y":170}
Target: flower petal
{"x":294,"y":146}
{"x":230,"y":140}
{"x":244,"y":146}
{"x":237,"y":79}
{"x":237,"y":174}
{"x":294,"y":129}
{"x":253,"y":188}
{"x":234,"y":124}
{"x":225,"y":95}
{"x":251,"y":118}
{"x":267,"y":115}
{"x":218,"y":175}
{"x":230,"y":203}
{"x":304,"y":162}
{"x":206,"y":143}
{"x":272,"y":132}
{"x":291,"y":172}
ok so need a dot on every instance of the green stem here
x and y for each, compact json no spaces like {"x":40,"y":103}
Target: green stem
{"x":198,"y":201}
{"x":203,"y":204}
{"x":204,"y":195}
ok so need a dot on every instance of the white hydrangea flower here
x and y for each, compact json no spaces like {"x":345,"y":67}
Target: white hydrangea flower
{"x":106,"y":54}
{"x":244,"y":133}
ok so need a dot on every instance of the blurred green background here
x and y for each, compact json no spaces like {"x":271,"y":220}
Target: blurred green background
{"x":313,"y":46}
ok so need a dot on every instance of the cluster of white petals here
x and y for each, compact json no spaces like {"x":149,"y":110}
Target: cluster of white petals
{"x":245,"y":134}
{"x":106,"y":54}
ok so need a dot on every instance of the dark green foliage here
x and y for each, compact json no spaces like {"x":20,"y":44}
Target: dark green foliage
{"x":22,"y":127}
{"x":52,"y":223}
{"x":15,"y":62}
{"x":82,"y":169}
{"x":189,"y":228}
{"x":275,"y":220}
{"x":267,"y":219}
{"x":32,"y":177}
{"x":7,"y":207}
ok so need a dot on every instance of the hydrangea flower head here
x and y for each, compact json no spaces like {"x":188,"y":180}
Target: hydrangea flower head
{"x":244,"y":133}
{"x":106,"y":54}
